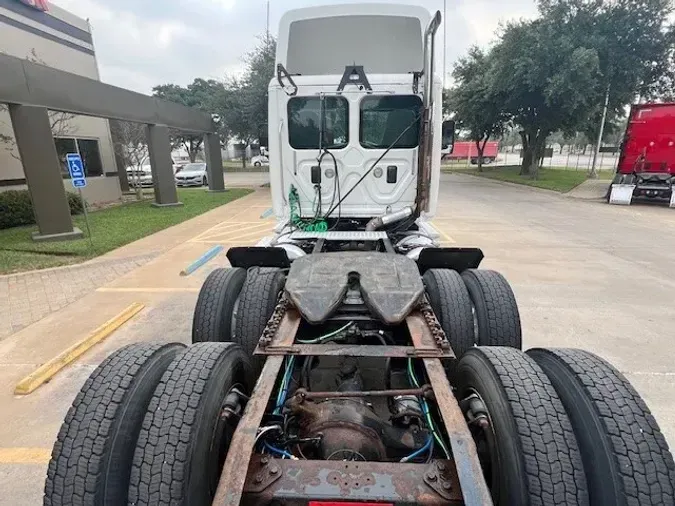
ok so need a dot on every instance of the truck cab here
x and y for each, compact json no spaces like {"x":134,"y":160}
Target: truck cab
{"x":646,"y":168}
{"x":346,"y":112}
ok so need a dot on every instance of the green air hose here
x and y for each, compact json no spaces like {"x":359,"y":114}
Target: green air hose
{"x":315,"y":224}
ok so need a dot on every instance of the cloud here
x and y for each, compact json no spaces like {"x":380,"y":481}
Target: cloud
{"x":142,"y":43}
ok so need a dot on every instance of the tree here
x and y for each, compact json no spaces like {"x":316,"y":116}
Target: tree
{"x":131,"y":145}
{"x":242,"y":103}
{"x":60,"y":122}
{"x":541,"y":77}
{"x":476,"y":107}
{"x":635,"y":45}
{"x":201,"y":94}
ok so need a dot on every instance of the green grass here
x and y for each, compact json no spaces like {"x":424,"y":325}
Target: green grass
{"x":111,"y":228}
{"x":557,"y":179}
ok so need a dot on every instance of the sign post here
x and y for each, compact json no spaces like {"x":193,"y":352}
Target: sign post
{"x":79,"y":181}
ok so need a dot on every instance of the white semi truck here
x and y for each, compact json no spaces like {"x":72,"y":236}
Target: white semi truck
{"x":347,"y":359}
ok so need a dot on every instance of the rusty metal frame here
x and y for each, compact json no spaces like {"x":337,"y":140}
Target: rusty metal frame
{"x":474,"y":488}
{"x":297,"y":481}
{"x":356,"y":350}
{"x":239,"y":454}
{"x":424,"y":344}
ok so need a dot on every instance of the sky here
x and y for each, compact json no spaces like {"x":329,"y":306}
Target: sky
{"x":143,"y":43}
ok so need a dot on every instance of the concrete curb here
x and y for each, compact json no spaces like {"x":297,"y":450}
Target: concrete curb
{"x":568,"y":194}
{"x":508,"y":183}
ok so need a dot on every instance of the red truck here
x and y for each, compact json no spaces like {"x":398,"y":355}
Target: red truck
{"x":465,"y":149}
{"x":646,"y":166}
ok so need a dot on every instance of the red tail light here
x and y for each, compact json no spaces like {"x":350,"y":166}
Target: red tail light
{"x":323,"y":503}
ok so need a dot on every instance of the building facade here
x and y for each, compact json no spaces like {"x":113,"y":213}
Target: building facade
{"x":61,"y":40}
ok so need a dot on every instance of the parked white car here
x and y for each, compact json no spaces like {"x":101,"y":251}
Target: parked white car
{"x":192,"y":174}
{"x":259,"y":161}
{"x":140,"y":177}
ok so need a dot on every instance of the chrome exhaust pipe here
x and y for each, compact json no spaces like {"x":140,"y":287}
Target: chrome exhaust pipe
{"x":387,"y":219}
{"x":425,"y":150}
{"x":429,"y":60}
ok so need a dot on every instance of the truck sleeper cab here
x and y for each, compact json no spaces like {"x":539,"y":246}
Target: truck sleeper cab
{"x":329,"y":123}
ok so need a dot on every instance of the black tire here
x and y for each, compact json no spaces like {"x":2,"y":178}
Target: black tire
{"x":91,"y":459}
{"x":183,"y":441}
{"x":532,"y":457}
{"x":257,"y":164}
{"x":450,"y":300}
{"x":626,"y":457}
{"x":497,"y":314}
{"x":212,"y":320}
{"x":257,"y":301}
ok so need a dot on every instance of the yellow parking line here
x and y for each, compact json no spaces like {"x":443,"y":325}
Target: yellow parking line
{"x":444,"y":235}
{"x":147,"y":290}
{"x":25,"y":455}
{"x":49,"y":369}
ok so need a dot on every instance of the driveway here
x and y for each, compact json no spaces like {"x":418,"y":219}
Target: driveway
{"x":586,"y":274}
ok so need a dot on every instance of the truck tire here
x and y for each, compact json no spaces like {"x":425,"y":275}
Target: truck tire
{"x":257,"y":301}
{"x":91,"y":459}
{"x":526,"y":445}
{"x":216,"y":306}
{"x":450,"y":300}
{"x":496,"y":309}
{"x":184,"y":439}
{"x":625,"y":455}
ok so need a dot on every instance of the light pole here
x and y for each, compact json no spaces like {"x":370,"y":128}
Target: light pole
{"x":594,"y":173}
{"x":267,"y":26}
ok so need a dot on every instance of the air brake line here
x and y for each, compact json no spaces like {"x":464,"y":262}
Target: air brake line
{"x":315,"y":224}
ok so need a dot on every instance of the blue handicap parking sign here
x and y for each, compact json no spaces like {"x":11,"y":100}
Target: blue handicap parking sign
{"x":76,"y":170}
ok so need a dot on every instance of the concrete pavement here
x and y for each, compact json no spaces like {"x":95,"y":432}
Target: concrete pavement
{"x":586,"y":274}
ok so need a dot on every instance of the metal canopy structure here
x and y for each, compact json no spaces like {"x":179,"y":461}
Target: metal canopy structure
{"x":31,"y":89}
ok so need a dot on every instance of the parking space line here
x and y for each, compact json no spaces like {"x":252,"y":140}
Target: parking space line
{"x":52,"y":367}
{"x":236,"y":229}
{"x":240,"y":235}
{"x":25,"y":455}
{"x":147,"y":290}
{"x":227,"y":226}
{"x":229,"y":238}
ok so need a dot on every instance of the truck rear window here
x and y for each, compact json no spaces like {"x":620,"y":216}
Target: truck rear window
{"x":384,"y":119}
{"x":304,"y":122}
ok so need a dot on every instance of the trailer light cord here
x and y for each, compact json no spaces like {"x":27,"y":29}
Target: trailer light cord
{"x":313,"y":225}
{"x":415,"y":121}
{"x":336,"y":186}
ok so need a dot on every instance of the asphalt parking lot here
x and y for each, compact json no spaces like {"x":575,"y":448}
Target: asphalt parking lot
{"x":585,"y":274}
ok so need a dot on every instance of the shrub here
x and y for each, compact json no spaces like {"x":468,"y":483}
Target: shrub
{"x":16,"y":208}
{"x":75,"y":203}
